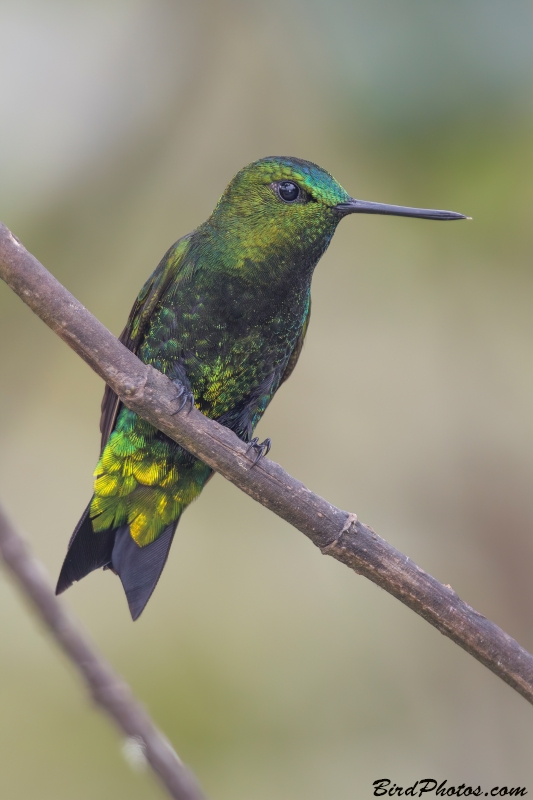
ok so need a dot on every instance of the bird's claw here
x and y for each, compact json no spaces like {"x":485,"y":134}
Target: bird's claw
{"x":185,"y":397}
{"x":261,"y":449}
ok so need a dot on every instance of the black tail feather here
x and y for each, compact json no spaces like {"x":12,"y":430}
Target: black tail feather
{"x":86,"y":552}
{"x":139,"y":568}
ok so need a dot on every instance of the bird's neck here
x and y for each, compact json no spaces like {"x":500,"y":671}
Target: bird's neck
{"x":261,"y":255}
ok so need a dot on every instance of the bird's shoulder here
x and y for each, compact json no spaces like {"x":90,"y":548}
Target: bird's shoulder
{"x":171,"y":269}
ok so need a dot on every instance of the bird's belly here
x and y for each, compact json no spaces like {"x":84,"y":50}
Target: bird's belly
{"x":236,"y":373}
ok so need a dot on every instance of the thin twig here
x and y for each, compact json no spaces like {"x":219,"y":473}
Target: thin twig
{"x":108,"y":690}
{"x":335,"y":532}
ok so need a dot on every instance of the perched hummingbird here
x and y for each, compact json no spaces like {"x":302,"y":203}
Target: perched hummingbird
{"x":225,"y":316}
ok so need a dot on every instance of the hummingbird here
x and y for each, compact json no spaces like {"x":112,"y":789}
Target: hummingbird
{"x":224,"y":315}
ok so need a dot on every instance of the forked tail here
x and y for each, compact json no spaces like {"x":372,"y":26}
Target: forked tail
{"x":139,"y":568}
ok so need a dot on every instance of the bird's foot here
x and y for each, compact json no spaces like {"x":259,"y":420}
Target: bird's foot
{"x":260,"y":449}
{"x":185,"y":398}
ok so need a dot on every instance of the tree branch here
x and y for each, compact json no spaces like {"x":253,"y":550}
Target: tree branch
{"x":108,"y":690}
{"x":336,"y":532}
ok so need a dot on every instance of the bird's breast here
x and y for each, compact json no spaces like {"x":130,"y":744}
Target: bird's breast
{"x":229,"y":337}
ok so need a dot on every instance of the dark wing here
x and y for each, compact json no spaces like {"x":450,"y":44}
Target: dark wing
{"x":295,"y":355}
{"x":143,"y":308}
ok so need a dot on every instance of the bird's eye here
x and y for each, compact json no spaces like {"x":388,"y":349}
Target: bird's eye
{"x":288,"y":191}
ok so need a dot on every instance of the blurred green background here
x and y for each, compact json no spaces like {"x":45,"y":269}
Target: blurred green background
{"x":278,"y":673}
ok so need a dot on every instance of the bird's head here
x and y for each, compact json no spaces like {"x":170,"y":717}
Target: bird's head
{"x":280,"y":198}
{"x":281,"y":204}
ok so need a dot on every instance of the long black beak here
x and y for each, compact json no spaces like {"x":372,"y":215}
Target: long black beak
{"x":352,"y":206}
